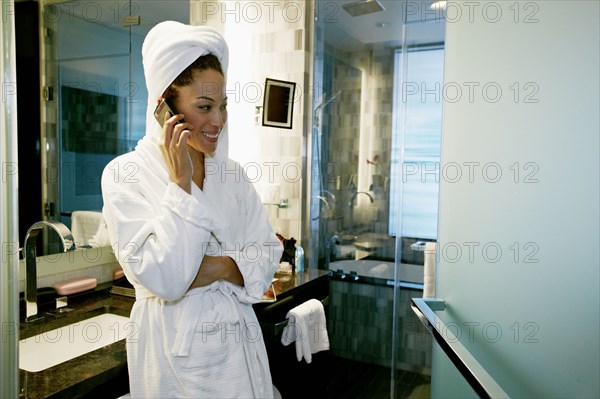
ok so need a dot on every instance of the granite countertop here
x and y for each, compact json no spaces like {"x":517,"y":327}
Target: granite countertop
{"x":85,"y":374}
{"x":286,"y":283}
{"x":79,"y":376}
{"x":291,"y":290}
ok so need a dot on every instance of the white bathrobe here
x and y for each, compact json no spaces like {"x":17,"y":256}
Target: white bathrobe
{"x":206,"y":342}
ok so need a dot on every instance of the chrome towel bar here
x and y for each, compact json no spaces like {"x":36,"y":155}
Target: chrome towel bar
{"x":479,"y":379}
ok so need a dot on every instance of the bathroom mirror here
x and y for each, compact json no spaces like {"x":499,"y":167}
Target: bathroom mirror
{"x":93,"y":103}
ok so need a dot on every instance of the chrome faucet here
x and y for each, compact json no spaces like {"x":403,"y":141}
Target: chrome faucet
{"x":68,"y":244}
{"x":351,"y":204}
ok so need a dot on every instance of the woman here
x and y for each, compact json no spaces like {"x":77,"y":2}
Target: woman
{"x":190,"y":232}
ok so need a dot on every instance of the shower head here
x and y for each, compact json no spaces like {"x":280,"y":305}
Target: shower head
{"x":363,"y":7}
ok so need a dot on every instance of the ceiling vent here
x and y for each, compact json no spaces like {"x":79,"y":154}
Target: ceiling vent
{"x":363,"y":7}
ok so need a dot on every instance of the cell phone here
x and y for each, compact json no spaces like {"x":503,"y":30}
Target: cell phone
{"x":161,"y":109}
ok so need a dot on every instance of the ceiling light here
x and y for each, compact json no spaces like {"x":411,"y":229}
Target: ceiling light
{"x":438,"y":5}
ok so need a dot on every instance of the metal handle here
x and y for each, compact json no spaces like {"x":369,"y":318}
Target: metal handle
{"x":479,"y":379}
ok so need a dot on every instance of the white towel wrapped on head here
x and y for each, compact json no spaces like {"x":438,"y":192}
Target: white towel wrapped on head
{"x":307,"y":327}
{"x":168,"y":49}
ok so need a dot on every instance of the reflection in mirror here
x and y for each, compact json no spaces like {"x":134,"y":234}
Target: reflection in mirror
{"x":93,"y":97}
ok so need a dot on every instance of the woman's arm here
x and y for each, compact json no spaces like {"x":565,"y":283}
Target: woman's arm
{"x":214,"y":268}
{"x":158,"y":232}
{"x":253,"y":245}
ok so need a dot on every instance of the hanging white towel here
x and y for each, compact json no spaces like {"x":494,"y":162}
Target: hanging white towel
{"x":307,"y":327}
{"x":100,"y":239}
{"x":85,"y":225}
{"x":429,"y":272}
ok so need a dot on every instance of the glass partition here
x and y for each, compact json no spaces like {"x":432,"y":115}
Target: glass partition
{"x":375,"y":151}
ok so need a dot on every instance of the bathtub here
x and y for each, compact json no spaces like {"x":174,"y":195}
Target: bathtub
{"x":376,"y":271}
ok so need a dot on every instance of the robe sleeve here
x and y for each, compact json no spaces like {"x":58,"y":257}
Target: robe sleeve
{"x":160,"y":241}
{"x":257,"y":255}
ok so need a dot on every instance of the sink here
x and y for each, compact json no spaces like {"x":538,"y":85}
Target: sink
{"x":56,"y":346}
{"x":363,"y":243}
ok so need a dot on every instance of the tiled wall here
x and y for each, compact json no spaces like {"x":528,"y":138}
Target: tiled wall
{"x":341,"y":122}
{"x":375,"y":134}
{"x":356,"y":130}
{"x":360,"y":326}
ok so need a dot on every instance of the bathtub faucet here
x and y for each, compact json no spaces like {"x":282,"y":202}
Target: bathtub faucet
{"x":351,"y":206}
{"x":68,"y":244}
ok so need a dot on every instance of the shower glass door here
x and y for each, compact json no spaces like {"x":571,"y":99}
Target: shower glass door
{"x":375,"y":119}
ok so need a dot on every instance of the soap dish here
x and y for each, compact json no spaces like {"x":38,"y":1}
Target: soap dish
{"x":117,"y":274}
{"x":75,"y":285}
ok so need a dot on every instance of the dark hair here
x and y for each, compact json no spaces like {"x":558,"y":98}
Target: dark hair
{"x":186,"y":77}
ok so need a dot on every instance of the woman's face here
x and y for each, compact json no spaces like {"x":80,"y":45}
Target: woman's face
{"x":204,"y":105}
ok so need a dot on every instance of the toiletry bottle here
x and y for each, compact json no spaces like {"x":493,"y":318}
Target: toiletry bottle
{"x":299,"y":259}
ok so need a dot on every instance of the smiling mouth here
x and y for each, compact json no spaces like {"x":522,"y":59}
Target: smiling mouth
{"x":210,"y":136}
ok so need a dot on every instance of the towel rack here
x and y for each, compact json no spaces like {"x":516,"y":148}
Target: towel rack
{"x":473,"y":372}
{"x":278,"y":327}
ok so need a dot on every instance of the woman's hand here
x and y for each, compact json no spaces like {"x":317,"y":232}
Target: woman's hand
{"x":215,"y":268}
{"x":175,"y":151}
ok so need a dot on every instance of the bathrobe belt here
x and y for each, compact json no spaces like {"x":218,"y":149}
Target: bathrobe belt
{"x":189,"y":325}
{"x":142,"y":293}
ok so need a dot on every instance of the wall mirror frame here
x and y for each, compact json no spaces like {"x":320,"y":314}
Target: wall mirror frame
{"x":278,"y":104}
